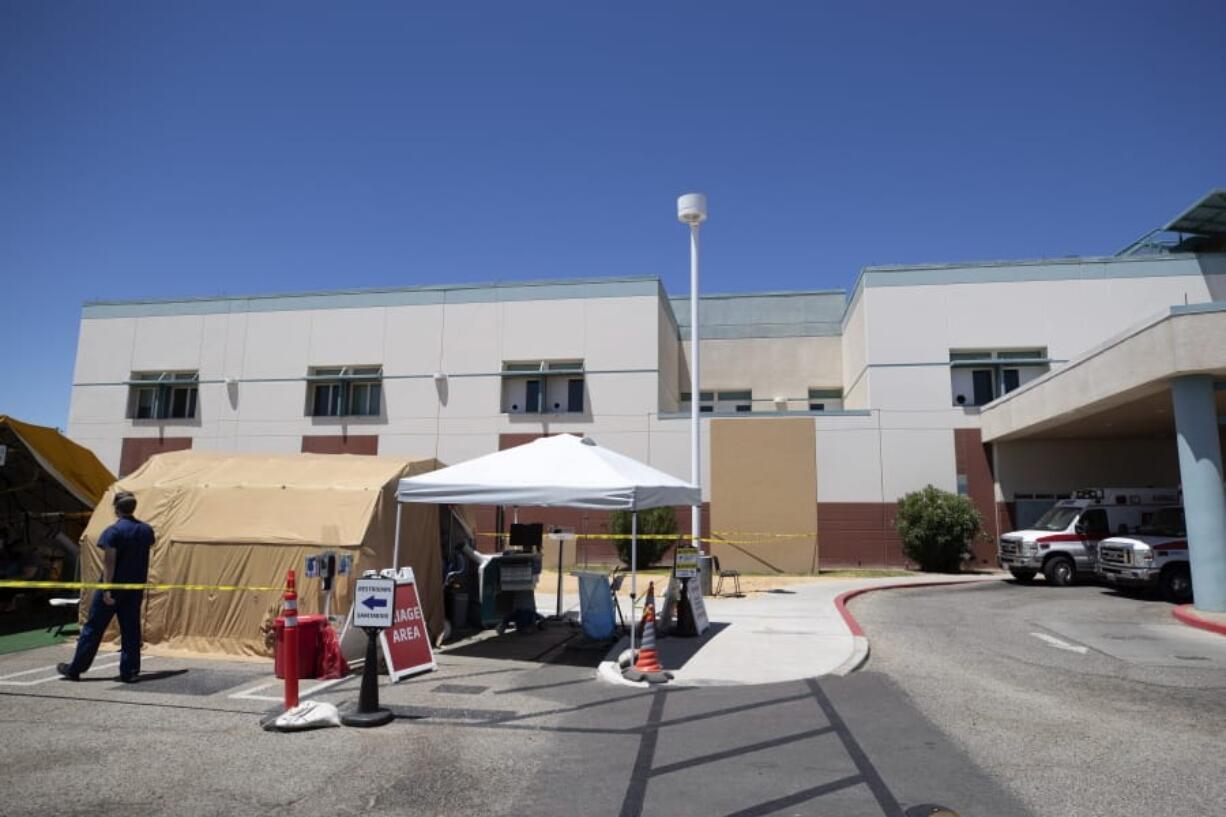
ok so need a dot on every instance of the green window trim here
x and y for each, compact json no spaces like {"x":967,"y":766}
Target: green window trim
{"x":163,"y":395}
{"x":344,"y":391}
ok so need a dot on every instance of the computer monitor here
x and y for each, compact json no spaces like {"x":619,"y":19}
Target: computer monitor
{"x":527,"y":537}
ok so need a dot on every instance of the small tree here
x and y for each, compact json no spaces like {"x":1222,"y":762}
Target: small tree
{"x":936,"y":528}
{"x":661,"y":522}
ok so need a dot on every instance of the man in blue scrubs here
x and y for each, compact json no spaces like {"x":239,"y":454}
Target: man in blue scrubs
{"x":125,"y":547}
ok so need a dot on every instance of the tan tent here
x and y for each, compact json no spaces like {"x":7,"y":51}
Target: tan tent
{"x":246,"y":519}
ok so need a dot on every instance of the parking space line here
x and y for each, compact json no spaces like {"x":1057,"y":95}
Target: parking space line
{"x":5,"y":682}
{"x":1061,"y":644}
{"x":249,"y":694}
{"x":25,"y":672}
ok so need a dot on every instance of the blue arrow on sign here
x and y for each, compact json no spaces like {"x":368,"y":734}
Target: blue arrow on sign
{"x":371,"y":602}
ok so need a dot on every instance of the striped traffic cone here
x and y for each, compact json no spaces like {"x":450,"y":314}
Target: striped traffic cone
{"x":650,"y":597}
{"x":647,"y":665}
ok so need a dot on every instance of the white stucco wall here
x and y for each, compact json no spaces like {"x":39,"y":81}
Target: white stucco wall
{"x":771,"y":367}
{"x":855,"y":357}
{"x":270,"y":353}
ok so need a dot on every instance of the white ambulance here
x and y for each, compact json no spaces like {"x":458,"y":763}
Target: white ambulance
{"x":1157,"y":556}
{"x":1063,"y":543}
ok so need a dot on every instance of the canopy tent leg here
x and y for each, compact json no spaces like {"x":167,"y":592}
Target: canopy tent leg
{"x":634,"y":574}
{"x":396,"y":546}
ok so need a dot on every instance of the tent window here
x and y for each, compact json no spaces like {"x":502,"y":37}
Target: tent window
{"x":345,"y":391}
{"x":163,"y":395}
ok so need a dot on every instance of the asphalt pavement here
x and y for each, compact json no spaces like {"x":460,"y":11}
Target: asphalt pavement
{"x":1077,"y":701}
{"x":509,"y":725}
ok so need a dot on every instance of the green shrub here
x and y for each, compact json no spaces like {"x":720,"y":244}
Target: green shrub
{"x":655,"y":522}
{"x":936,"y":528}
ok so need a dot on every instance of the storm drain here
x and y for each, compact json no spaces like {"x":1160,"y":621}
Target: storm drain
{"x":459,"y":689}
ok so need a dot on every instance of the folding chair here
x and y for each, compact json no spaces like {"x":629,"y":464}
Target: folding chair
{"x":735,"y":575}
{"x":615,"y":584}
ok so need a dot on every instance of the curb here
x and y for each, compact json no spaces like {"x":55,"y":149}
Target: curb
{"x":860,"y":650}
{"x":859,"y":655}
{"x":1184,"y":613}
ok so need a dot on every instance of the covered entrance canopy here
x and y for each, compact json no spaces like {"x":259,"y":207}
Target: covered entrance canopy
{"x":1147,"y":401}
{"x":561,"y":471}
{"x":1121,"y":388}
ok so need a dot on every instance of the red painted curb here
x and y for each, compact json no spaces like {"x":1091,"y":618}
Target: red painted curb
{"x":1184,"y":613}
{"x":840,"y":601}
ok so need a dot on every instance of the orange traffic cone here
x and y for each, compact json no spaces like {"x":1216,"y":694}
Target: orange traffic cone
{"x":647,"y":665}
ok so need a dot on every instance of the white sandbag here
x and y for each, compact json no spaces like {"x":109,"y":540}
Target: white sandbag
{"x":306,"y":715}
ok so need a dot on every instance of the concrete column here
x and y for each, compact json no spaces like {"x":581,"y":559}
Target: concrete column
{"x":1204,"y":501}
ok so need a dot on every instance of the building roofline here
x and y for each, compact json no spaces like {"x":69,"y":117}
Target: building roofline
{"x":1024,"y":262}
{"x":382,"y":290}
{"x":780,"y":293}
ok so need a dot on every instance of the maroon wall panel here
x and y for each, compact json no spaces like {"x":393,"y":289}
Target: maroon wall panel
{"x":972,"y":459}
{"x":340,"y":444}
{"x":857,"y":534}
{"x":138,"y":449}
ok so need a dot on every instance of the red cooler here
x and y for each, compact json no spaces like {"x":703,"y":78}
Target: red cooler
{"x":310,"y":629}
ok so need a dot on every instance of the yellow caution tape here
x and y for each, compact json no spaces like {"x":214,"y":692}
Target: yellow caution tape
{"x":122,"y":586}
{"x":719,"y":537}
{"x":761,"y":534}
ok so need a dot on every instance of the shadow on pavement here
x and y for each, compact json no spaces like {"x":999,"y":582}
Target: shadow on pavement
{"x":675,"y":651}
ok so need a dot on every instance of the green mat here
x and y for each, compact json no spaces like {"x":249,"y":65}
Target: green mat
{"x":32,"y":639}
{"x":30,"y":629}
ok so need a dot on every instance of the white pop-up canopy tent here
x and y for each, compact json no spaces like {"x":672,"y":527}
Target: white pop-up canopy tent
{"x":561,"y":471}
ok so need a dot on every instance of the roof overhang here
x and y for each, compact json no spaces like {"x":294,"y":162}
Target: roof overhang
{"x":1121,"y":388}
{"x":1205,"y":217}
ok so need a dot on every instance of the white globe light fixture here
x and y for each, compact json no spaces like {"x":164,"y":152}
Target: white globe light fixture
{"x":692,"y":210}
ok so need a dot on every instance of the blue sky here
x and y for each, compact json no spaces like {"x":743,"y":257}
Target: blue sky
{"x":163,"y":149}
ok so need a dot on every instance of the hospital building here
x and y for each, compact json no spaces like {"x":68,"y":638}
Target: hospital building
{"x":1012,"y":382}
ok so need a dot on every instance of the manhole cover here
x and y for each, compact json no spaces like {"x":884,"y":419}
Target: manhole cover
{"x":1192,"y":657}
{"x":930,"y":810}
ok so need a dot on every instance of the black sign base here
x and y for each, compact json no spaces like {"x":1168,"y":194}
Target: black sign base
{"x":356,"y":717}
{"x":686,"y":626}
{"x":368,"y":712}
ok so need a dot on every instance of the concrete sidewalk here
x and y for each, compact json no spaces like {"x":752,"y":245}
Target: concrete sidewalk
{"x":775,"y":636}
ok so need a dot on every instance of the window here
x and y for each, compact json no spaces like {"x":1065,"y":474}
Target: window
{"x":978,"y":377}
{"x":163,"y":395}
{"x":723,"y":402}
{"x":574,"y":395}
{"x":542,"y":387}
{"x":825,"y":399}
{"x":738,"y":402}
{"x":1011,"y":379}
{"x":1094,"y":522}
{"x":982,"y":385}
{"x":1057,"y":518}
{"x":345,"y":391}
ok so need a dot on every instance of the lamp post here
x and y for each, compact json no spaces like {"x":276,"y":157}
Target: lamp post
{"x":692,"y":210}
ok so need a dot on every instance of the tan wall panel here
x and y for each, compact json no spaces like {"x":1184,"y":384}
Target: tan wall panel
{"x":764,"y":480}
